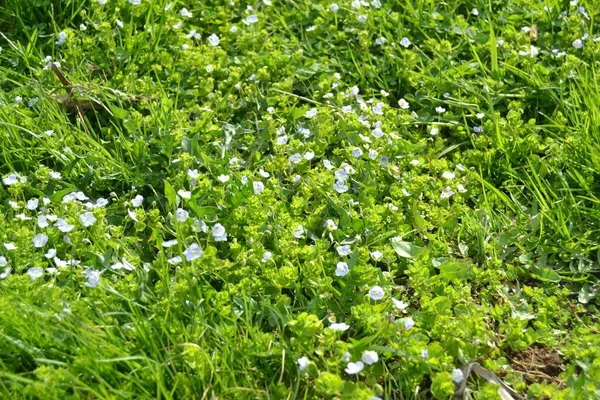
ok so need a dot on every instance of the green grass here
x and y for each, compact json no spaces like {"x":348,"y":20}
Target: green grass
{"x":487,"y":230}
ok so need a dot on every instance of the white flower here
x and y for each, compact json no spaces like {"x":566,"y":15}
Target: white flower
{"x":440,"y":109}
{"x":62,"y":37}
{"x":341,"y":327}
{"x":87,"y":219}
{"x":424,"y":353}
{"x":403,"y":104}
{"x":137,"y":201}
{"x":362,"y":18}
{"x":219,"y":233}
{"x":331,"y":225}
{"x":193,"y":173}
{"x":101,"y":202}
{"x":376,"y":293}
{"x":296,"y":178}
{"x":448,"y":175}
{"x":408,"y":323}
{"x":376,"y":4}
{"x":475,"y":12}
{"x":169,"y":243}
{"x":93,"y":277}
{"x":344,"y":250}
{"x":267,"y":256}
{"x":32,"y":204}
{"x":447,"y":193}
{"x":200,"y":226}
{"x":102,"y":2}
{"x":578,"y":44}
{"x":223,"y":178}
{"x":214,"y":40}
{"x":168,"y":6}
{"x":303,"y":363}
{"x":281,"y":140}
{"x":457,"y":375}
{"x":309,"y":155}
{"x":373,"y":154}
{"x":175,"y":260}
{"x":334,"y":7}
{"x":181,"y":215}
{"x":244,"y":180}
{"x":296,"y":158}
{"x":5,"y":273}
{"x":185,"y":13}
{"x":40,"y":240}
{"x":477,"y":129}
{"x":405,"y":42}
{"x":376,"y":255}
{"x":341,"y":269}
{"x":377,"y":133}
{"x":3,"y":261}
{"x":311,"y":113}
{"x":298,"y":231}
{"x":119,"y":23}
{"x":11,"y":179}
{"x":185,"y":46}
{"x":328,"y":164}
{"x":461,"y":188}
{"x":399,"y":304}
{"x":63,"y":225}
{"x":258,"y":187}
{"x":251,"y":19}
{"x":35,"y":273}
{"x":50,"y":253}
{"x":369,"y":357}
{"x":132,"y":215}
{"x":82,"y":27}
{"x":354,"y":368}
{"x":184,"y":194}
{"x":135,"y":2}
{"x":357,"y":152}
{"x":340,"y":186}
{"x":193,"y":252}
{"x":434,"y":131}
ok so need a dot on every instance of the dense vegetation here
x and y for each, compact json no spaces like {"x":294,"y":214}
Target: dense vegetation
{"x":298,"y":199}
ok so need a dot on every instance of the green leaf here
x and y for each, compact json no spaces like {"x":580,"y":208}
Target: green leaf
{"x":170,"y":194}
{"x":451,"y":269}
{"x":545,"y":274}
{"x":406,"y":249}
{"x":418,"y":221}
{"x":57,"y":197}
{"x":118,"y":112}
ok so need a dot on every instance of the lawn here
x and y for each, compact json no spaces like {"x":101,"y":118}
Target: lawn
{"x":298,"y":199}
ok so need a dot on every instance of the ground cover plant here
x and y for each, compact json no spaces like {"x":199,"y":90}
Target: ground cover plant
{"x":299,"y":199}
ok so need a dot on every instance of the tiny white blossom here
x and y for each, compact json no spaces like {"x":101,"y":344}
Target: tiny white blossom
{"x":137,"y":201}
{"x":403,"y":104}
{"x":251,"y":19}
{"x":354,"y":368}
{"x":457,"y":375}
{"x":341,"y":269}
{"x":399,"y":304}
{"x":369,"y":357}
{"x":311,"y":113}
{"x":219,"y":233}
{"x":296,"y":158}
{"x":193,"y":252}
{"x":298,"y":231}
{"x":344,"y":250}
{"x":40,"y":240}
{"x":185,"y":13}
{"x":376,"y":293}
{"x":181,"y":215}
{"x":184,"y":194}
{"x":408,"y":323}
{"x":341,"y":327}
{"x":448,"y":175}
{"x":578,"y":44}
{"x":405,"y":42}
{"x":35,"y":273}
{"x":267,"y":255}
{"x":258,"y":187}
{"x":303,"y":363}
{"x":3,"y":261}
{"x":214,"y":40}
{"x":362,"y":18}
{"x":175,"y":260}
{"x":87,"y":219}
{"x":440,"y":109}
{"x":334,"y":7}
{"x":340,"y":186}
